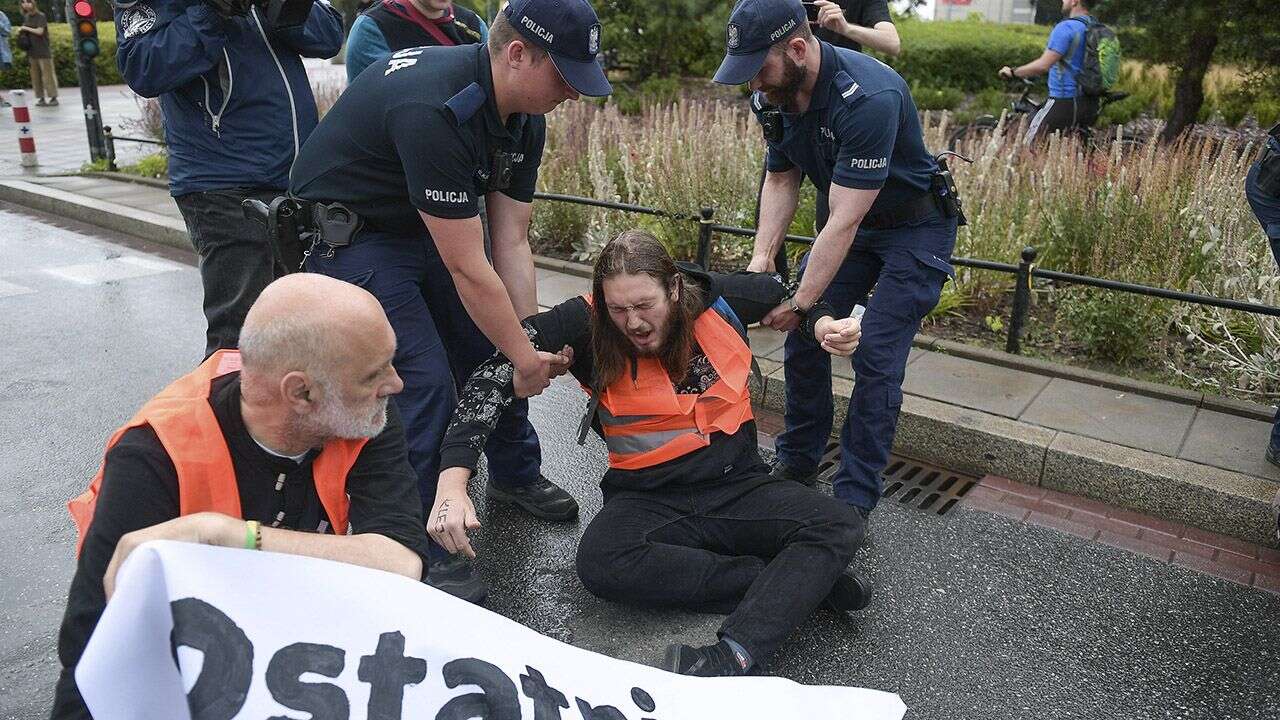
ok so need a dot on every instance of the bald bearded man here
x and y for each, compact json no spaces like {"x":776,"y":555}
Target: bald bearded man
{"x":286,"y":445}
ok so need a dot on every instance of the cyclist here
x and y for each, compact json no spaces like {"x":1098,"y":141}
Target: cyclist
{"x":1063,"y":59}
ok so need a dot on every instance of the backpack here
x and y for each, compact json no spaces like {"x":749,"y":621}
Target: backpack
{"x":1102,"y":56}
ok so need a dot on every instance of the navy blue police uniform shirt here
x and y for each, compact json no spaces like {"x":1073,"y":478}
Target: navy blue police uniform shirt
{"x":861,"y":131}
{"x":417,"y":132}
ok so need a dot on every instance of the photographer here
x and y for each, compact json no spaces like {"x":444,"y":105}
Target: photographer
{"x":237,"y":107}
{"x":853,"y":24}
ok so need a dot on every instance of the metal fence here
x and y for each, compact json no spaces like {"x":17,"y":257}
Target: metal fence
{"x":1024,"y":271}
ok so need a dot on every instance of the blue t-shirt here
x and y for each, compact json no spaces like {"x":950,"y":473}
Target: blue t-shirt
{"x":861,"y":131}
{"x":1062,"y":84}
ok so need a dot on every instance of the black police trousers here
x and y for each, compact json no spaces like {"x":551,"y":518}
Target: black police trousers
{"x":236,"y":260}
{"x":765,"y":552}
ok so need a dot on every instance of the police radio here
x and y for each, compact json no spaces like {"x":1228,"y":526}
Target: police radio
{"x":771,"y":123}
{"x":500,"y":170}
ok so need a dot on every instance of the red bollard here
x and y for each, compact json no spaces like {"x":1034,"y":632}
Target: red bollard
{"x":26,"y":138}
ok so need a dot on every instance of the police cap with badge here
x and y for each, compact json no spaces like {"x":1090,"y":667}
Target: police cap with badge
{"x":754,"y":26}
{"x":569,"y":31}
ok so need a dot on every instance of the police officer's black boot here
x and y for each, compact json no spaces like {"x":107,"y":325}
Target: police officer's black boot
{"x":456,"y":575}
{"x":780,"y":472}
{"x":541,"y":498}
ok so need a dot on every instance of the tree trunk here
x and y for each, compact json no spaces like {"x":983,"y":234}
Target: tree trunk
{"x":1188,"y":94}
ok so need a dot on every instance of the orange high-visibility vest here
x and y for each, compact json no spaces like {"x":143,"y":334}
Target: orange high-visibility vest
{"x":184,"y":422}
{"x":646,"y":423}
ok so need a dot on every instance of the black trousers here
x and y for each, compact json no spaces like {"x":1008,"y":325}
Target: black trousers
{"x":763,"y":551}
{"x":1062,"y":115}
{"x":236,"y":261}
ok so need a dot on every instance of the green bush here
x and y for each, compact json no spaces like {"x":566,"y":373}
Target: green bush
{"x":936,"y":98}
{"x":1111,"y":325}
{"x":19,"y":76}
{"x":964,"y":55}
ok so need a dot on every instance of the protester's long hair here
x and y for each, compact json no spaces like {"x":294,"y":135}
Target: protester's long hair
{"x":636,"y":252}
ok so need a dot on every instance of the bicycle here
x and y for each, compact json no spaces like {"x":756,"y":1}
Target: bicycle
{"x":987,"y":125}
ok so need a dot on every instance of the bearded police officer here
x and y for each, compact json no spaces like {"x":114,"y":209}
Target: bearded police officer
{"x":393,"y":175}
{"x":887,"y":219}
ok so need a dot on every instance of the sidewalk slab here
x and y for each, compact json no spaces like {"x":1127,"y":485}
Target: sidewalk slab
{"x":972,"y":384}
{"x":1230,"y":442}
{"x":1119,"y":417}
{"x":102,"y":213}
{"x":554,"y":288}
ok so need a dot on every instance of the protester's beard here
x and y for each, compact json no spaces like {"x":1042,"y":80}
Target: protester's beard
{"x":334,"y":418}
{"x":784,"y":94}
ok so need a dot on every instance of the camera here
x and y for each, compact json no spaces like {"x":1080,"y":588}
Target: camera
{"x":274,"y":13}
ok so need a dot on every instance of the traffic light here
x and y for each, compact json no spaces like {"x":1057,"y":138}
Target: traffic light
{"x":86,"y":29}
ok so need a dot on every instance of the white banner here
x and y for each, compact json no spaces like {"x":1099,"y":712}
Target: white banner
{"x":261,"y":635}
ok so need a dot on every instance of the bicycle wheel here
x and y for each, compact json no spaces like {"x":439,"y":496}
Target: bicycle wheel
{"x":977,"y":131}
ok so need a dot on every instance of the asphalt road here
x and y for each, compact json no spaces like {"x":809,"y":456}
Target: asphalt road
{"x":974,"y":617}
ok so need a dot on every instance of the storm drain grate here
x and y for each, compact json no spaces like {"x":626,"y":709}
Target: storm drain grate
{"x":910,"y":482}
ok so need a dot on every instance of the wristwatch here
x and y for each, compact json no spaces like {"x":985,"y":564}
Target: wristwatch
{"x":795,"y":307}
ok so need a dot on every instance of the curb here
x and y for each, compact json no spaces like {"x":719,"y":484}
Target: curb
{"x":100,"y":213}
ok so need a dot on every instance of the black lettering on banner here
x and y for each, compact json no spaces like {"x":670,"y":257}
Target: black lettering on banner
{"x":223,"y":684}
{"x":496,"y":701}
{"x":387,"y":671}
{"x":323,"y":700}
{"x":547,"y":700}
{"x":604,"y":712}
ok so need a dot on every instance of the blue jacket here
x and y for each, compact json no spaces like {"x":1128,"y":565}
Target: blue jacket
{"x":236,"y":100}
{"x":6,"y":54}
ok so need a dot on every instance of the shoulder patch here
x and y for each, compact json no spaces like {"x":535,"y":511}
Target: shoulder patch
{"x":466,"y":103}
{"x":139,"y":18}
{"x":849,"y":89}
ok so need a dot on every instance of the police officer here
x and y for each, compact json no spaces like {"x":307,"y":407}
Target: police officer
{"x":395,"y":171}
{"x":1262,"y":188}
{"x":391,"y":25}
{"x":847,"y":122}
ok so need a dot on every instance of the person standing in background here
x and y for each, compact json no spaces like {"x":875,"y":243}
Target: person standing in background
{"x":853,"y":24}
{"x":35,"y":31}
{"x":391,"y":25}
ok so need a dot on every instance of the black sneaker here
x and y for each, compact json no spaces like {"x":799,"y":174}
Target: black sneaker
{"x":540,"y":498}
{"x":456,"y":576}
{"x":779,"y":471}
{"x":52,"y":102}
{"x":850,"y":593}
{"x":716,"y":660}
{"x":1273,"y":455}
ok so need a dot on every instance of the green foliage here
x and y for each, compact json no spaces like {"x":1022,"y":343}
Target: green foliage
{"x":671,"y":37}
{"x":1111,"y":325}
{"x":936,"y":98}
{"x":155,"y":165}
{"x":19,"y":76}
{"x":631,"y":99}
{"x":965,"y":55}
